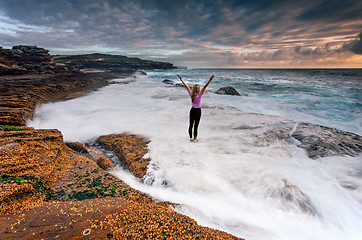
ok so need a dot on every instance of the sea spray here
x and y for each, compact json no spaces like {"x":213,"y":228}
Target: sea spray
{"x":245,"y":175}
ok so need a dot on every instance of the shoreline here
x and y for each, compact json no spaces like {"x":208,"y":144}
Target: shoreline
{"x":78,"y":178}
{"x":48,"y":190}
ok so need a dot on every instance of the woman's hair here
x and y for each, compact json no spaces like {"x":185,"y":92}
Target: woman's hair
{"x":195,"y":91}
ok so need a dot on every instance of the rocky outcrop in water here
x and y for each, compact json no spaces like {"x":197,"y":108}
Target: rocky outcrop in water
{"x":129,"y":150}
{"x":320,"y":141}
{"x":167,"y":81}
{"x":229,"y":91}
{"x":293,"y":196}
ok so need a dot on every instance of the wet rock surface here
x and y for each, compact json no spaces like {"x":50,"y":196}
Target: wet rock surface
{"x":167,"y":81}
{"x":320,"y":141}
{"x":48,"y":192}
{"x":77,"y":146}
{"x":20,"y":94}
{"x":129,"y":150}
{"x":229,"y":91}
{"x":292,"y":195}
{"x":105,"y":163}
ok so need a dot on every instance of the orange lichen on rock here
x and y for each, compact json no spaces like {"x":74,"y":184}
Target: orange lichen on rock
{"x":40,"y":153}
{"x":130,"y":151}
{"x":114,"y":211}
{"x":16,"y":197}
{"x":105,"y":163}
{"x":30,"y":158}
{"x":139,"y":220}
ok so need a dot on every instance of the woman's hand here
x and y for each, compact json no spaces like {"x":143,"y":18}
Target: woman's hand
{"x":207,"y":84}
{"x":186,"y":86}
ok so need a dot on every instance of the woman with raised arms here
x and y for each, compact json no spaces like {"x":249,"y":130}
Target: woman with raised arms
{"x":195,"y":112}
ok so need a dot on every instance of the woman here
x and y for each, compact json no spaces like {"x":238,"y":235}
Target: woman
{"x":195,"y":112}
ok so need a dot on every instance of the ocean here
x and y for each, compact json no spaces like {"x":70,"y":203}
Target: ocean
{"x":240,"y":177}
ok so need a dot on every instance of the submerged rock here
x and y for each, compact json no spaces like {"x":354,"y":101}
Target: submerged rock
{"x":291,"y":194}
{"x":320,"y":141}
{"x":167,"y":81}
{"x":229,"y":91}
{"x":141,"y":73}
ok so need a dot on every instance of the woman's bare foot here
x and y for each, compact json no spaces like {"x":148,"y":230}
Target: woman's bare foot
{"x":191,"y":139}
{"x":195,"y":140}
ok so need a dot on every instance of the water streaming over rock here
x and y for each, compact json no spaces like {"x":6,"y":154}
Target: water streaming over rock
{"x":246,"y":175}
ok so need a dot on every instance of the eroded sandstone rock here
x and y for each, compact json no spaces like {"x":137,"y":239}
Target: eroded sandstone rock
{"x":26,"y":59}
{"x":77,"y":146}
{"x":19,"y":95}
{"x":31,"y":161}
{"x":105,"y":163}
{"x":130,"y":151}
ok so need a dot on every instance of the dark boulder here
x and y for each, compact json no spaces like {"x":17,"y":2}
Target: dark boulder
{"x":320,"y":141}
{"x":228,"y":91}
{"x":167,"y":81}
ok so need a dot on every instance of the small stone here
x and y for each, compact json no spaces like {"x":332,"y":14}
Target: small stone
{"x":105,"y":163}
{"x":167,"y":81}
{"x":77,"y":146}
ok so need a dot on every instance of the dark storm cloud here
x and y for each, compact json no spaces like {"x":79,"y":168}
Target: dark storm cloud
{"x":356,"y":46}
{"x":185,"y":30}
{"x":341,"y":10}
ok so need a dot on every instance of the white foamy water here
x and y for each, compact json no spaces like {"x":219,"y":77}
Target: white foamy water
{"x":239,"y":177}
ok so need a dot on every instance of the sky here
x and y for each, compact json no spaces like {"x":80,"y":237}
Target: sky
{"x":195,"y":34}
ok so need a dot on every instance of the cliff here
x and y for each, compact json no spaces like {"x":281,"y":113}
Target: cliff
{"x":27,"y":59}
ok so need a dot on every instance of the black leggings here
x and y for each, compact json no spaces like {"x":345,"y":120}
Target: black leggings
{"x":195,"y":115}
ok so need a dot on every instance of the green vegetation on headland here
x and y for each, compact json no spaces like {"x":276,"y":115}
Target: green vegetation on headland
{"x":109,"y":62}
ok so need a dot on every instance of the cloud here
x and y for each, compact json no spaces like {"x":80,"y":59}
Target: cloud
{"x":231,"y":32}
{"x":356,"y":45}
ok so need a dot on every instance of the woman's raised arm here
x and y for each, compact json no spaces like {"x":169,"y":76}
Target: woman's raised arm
{"x":186,"y":86}
{"x":207,"y":84}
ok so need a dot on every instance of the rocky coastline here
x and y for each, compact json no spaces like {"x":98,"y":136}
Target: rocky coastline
{"x":49,"y":190}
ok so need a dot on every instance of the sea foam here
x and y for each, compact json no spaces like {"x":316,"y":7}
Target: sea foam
{"x":240,"y":177}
